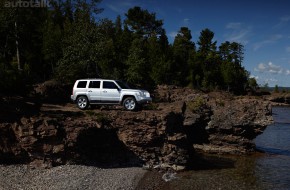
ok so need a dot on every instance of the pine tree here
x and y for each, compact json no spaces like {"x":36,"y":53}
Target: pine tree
{"x":143,"y":23}
{"x":137,"y":72}
{"x":182,"y":48}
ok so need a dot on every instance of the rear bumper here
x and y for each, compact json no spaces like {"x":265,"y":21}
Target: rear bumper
{"x":72,"y":98}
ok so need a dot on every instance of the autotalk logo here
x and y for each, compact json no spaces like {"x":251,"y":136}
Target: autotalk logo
{"x":26,"y":4}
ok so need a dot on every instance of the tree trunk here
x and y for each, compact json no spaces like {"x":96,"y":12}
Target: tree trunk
{"x":17,"y":48}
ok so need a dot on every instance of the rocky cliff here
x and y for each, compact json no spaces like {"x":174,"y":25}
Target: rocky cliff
{"x":278,"y":98}
{"x":167,"y":133}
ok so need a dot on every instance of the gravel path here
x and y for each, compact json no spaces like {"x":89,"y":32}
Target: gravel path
{"x":72,"y":177}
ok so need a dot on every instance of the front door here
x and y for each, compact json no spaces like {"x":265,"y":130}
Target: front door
{"x":110,"y":92}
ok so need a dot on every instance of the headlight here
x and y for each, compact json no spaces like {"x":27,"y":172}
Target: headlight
{"x":147,"y":94}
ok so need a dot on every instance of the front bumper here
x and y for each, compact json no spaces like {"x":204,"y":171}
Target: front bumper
{"x":144,"y":100}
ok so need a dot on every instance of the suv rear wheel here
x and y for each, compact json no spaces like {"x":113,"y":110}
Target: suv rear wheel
{"x":130,"y":103}
{"x":82,"y":102}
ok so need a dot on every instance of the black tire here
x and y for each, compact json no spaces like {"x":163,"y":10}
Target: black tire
{"x":130,"y":104}
{"x":82,"y":102}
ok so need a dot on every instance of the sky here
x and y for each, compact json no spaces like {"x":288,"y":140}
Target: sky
{"x":261,"y":26}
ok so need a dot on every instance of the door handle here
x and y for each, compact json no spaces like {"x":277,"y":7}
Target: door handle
{"x":90,"y":91}
{"x":104,"y":91}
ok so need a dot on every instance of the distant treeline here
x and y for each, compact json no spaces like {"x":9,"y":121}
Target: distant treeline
{"x":277,"y":89}
{"x":66,"y":41}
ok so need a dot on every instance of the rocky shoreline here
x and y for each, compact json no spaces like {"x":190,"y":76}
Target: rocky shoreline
{"x":167,"y":134}
{"x":57,"y":146}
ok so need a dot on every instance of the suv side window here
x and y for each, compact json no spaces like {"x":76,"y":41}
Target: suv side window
{"x":82,"y":84}
{"x":109,"y":85}
{"x":94,"y":84}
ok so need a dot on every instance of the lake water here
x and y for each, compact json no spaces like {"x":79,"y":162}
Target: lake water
{"x":274,"y":168}
{"x":265,"y":171}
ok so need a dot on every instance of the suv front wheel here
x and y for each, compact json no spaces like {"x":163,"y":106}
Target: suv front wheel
{"x":82,"y":102}
{"x":130,"y":103}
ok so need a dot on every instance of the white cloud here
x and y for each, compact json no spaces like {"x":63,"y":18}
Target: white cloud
{"x":238,"y":33}
{"x":283,"y":21}
{"x":233,"y":25}
{"x":115,"y":8}
{"x":271,"y":81}
{"x":287,"y":72}
{"x":269,"y":68}
{"x":270,"y":40}
{"x":288,"y":49}
{"x":172,"y":34}
{"x":262,"y":67}
{"x":186,"y":21}
{"x":255,"y":77}
{"x":120,"y":7}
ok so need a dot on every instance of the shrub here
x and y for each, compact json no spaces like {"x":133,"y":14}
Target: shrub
{"x":196,"y":105}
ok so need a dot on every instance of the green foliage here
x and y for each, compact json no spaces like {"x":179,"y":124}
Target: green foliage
{"x":80,"y":47}
{"x":136,"y":63}
{"x":276,"y":89}
{"x":143,"y":23}
{"x":206,"y":45}
{"x":196,"y":105}
{"x":158,"y":61}
{"x":12,"y":81}
{"x":66,"y":42}
{"x":183,"y":48}
{"x":253,"y":83}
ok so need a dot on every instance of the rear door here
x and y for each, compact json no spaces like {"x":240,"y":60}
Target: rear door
{"x":94,"y":91}
{"x":110,"y":92}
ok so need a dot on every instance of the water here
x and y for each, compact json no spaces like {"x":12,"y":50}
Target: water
{"x":274,"y":168}
{"x":267,"y":171}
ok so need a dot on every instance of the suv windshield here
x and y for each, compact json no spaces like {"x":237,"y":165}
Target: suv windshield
{"x":123,"y":85}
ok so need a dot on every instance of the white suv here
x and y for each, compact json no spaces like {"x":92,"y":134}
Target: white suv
{"x":107,"y":92}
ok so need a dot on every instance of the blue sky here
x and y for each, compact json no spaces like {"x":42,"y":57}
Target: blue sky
{"x":262,"y":26}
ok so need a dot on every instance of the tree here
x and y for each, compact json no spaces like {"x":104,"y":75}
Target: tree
{"x":51,"y":46}
{"x":276,"y":89}
{"x":158,"y":62}
{"x":143,"y":23}
{"x":21,"y":59}
{"x":137,"y":72}
{"x":235,"y":77}
{"x":232,"y":52}
{"x":208,"y":59}
{"x":253,"y":83}
{"x":182,"y":48}
{"x":83,"y":44}
{"x":205,"y":42}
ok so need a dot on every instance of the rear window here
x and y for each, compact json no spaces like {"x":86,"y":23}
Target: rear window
{"x":94,"y":84}
{"x":82,"y":84}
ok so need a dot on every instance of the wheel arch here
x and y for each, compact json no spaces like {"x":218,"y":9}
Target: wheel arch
{"x":82,"y":95}
{"x":126,"y":96}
